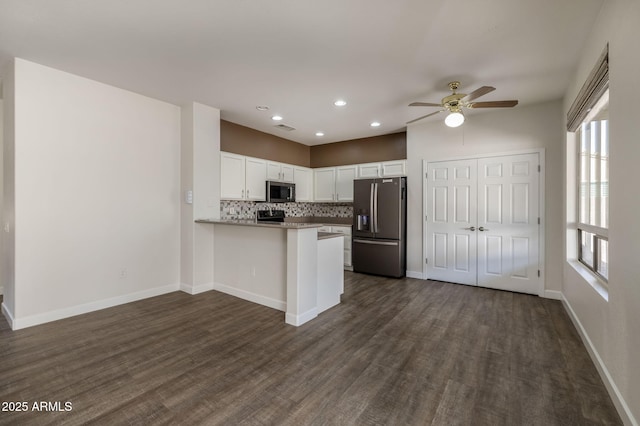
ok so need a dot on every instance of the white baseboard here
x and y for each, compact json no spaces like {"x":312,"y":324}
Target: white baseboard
{"x":8,"y":315}
{"x":29,"y":321}
{"x":298,"y":320}
{"x":553,"y":294}
{"x":188,"y":288}
{"x":621,"y":405}
{"x":251,"y":297}
{"x":415,"y":274}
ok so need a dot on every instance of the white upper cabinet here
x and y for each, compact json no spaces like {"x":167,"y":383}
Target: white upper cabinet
{"x":231,"y":176}
{"x":324,"y":184}
{"x":383,"y":169}
{"x":287,"y":173}
{"x":303,"y":178}
{"x":394,"y":168}
{"x":369,"y":170}
{"x":256,"y":179}
{"x":344,"y":182}
{"x":334,"y":183}
{"x":242,"y":178}
{"x":279,"y":172}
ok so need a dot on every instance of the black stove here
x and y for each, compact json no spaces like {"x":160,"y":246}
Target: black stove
{"x":270,"y":216}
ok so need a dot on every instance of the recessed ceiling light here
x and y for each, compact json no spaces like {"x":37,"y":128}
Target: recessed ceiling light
{"x":319,"y":134}
{"x":375,"y":124}
{"x":262,"y":108}
{"x":276,"y":118}
{"x":340,"y":102}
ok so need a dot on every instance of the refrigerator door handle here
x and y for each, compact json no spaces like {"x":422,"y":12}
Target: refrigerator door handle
{"x":375,"y":208}
{"x":371,"y":209}
{"x":377,"y":243}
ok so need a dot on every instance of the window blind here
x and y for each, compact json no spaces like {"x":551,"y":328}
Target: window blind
{"x":595,"y":86}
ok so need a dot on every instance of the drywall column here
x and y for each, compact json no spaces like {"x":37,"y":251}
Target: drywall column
{"x":7,"y":269}
{"x":200,"y":185}
{"x":302,"y":275}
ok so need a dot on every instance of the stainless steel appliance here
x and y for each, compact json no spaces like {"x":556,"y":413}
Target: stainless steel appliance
{"x":280,"y":192}
{"x":379,"y":226}
{"x":270,"y":215}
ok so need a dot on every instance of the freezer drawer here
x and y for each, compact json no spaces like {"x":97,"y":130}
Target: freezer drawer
{"x":379,"y":257}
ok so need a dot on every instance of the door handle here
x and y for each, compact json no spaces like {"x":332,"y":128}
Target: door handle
{"x":482,"y":229}
{"x":471,"y":228}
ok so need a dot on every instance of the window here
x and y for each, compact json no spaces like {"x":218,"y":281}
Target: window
{"x":593,"y":188}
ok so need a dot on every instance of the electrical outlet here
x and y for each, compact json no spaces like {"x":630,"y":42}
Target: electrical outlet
{"x":232,"y":210}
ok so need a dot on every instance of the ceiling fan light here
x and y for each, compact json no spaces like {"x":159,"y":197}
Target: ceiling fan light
{"x":454,"y":119}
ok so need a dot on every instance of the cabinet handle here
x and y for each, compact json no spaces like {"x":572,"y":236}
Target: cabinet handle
{"x":247,"y":193}
{"x":242,"y":193}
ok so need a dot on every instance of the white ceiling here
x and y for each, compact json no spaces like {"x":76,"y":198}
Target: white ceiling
{"x":298,"y":56}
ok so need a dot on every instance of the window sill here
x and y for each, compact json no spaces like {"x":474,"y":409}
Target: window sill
{"x":596,"y":283}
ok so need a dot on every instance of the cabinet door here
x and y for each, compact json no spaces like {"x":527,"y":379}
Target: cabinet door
{"x":256,"y":178}
{"x":231,"y":176}
{"x":286,"y":171}
{"x":344,"y":182}
{"x":394,"y":168}
{"x":274,"y":171}
{"x":303,"y":178}
{"x":370,"y":170}
{"x":324,"y":182}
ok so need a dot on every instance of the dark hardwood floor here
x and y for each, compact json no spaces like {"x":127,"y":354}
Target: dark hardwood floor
{"x":395,"y":352}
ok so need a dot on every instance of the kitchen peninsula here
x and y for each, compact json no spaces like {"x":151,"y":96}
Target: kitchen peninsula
{"x":286,"y":266}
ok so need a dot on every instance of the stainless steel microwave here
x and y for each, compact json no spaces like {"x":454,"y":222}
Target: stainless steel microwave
{"x":280,"y":192}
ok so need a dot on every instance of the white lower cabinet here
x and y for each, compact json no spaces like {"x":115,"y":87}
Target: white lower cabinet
{"x":346,"y":231}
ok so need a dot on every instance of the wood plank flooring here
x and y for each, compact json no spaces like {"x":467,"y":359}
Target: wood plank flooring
{"x":395,"y":352}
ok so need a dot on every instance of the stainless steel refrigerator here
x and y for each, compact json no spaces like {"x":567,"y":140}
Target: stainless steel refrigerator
{"x":379,"y":226}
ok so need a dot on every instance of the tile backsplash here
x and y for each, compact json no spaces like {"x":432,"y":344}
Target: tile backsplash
{"x":247,"y":209}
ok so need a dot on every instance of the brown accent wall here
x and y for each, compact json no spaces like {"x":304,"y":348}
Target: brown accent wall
{"x":357,"y":151}
{"x":254,"y":143}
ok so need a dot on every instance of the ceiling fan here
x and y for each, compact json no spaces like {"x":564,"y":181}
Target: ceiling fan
{"x":455,"y":102}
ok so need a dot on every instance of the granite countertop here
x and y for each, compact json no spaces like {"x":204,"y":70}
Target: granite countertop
{"x":253,"y":222}
{"x":326,"y":235}
{"x":320,"y":220}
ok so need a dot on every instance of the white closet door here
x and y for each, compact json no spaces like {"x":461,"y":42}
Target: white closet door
{"x":508,"y":214}
{"x":451,"y":219}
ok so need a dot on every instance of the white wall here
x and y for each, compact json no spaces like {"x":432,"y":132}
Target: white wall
{"x":1,"y":179}
{"x":7,"y":270}
{"x":504,"y":130}
{"x":612,"y":328}
{"x":97,"y":192}
{"x":200,"y":170}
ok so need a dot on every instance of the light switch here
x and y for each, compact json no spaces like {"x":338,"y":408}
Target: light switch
{"x":188,"y":197}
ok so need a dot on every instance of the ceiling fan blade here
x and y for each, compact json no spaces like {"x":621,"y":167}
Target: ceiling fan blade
{"x":493,"y":104}
{"x":478,"y":92}
{"x":424,"y":104}
{"x":424,"y":116}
